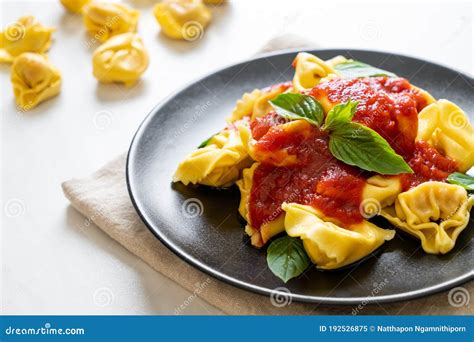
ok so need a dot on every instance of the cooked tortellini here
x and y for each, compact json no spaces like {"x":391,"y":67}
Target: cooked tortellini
{"x":434,"y":212}
{"x":182,"y":19}
{"x":219,"y":163}
{"x":122,"y":58}
{"x":25,"y":35}
{"x":74,"y":6}
{"x":258,"y":237}
{"x":34,"y":80}
{"x":379,"y":192}
{"x":309,"y":70}
{"x":256,"y":103}
{"x":445,"y":126}
{"x":328,"y":245}
{"x":106,"y":19}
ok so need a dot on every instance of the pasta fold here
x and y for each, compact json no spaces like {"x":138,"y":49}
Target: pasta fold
{"x":220,"y":162}
{"x":434,"y":212}
{"x":328,"y":245}
{"x":309,"y":70}
{"x":34,"y":80}
{"x":445,"y":126}
{"x":25,"y":35}
{"x":123,"y":58}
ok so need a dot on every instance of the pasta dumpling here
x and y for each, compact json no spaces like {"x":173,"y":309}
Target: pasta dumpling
{"x":25,"y":35}
{"x":309,"y":70}
{"x":182,"y":19}
{"x":34,"y":80}
{"x":258,"y":237}
{"x":328,"y":245}
{"x":219,"y":163}
{"x":244,"y":106}
{"x":445,"y":126}
{"x":74,"y":6}
{"x":105,"y":19}
{"x":122,"y":58}
{"x":434,"y":212}
{"x":379,"y":192}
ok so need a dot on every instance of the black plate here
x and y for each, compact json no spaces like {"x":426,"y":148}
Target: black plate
{"x":212,"y":238}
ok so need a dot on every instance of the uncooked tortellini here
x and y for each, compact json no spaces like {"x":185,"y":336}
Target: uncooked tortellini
{"x":74,"y":6}
{"x":122,"y":58}
{"x":309,"y":70}
{"x":328,"y":245}
{"x":219,"y":163}
{"x":182,"y":19}
{"x":25,"y":35}
{"x":105,"y":19}
{"x":434,"y":212}
{"x":445,"y":126}
{"x":34,"y":80}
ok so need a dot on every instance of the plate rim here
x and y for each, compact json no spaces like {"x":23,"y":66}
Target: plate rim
{"x":336,"y":301}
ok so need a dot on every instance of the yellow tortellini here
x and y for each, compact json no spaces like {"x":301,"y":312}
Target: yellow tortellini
{"x":214,"y":2}
{"x":25,"y":35}
{"x":258,"y":237}
{"x":309,"y":70}
{"x":182,"y":19}
{"x":379,"y":192}
{"x":219,"y":163}
{"x":34,"y":80}
{"x":106,"y":19}
{"x":122,"y":58}
{"x":244,"y":106}
{"x":434,"y":212}
{"x":255,"y":104}
{"x":328,"y":245}
{"x":74,"y":6}
{"x":445,"y":126}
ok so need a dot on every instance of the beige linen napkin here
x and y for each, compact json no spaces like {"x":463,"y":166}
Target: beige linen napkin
{"x":103,"y":198}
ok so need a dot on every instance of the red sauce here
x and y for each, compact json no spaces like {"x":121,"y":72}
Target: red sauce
{"x":317,"y":178}
{"x":428,"y":165}
{"x":296,"y":165}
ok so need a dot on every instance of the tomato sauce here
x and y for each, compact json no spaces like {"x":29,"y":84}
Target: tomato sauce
{"x":297,"y":166}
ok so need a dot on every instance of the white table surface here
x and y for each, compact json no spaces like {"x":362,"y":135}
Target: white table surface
{"x":52,"y":262}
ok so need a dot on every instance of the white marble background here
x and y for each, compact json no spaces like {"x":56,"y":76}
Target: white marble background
{"x":52,"y":261}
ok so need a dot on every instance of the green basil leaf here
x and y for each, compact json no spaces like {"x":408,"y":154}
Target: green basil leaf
{"x":299,"y":106}
{"x":340,"y":114}
{"x":360,"y":146}
{"x":287,"y":258}
{"x":206,"y":142}
{"x":359,"y":69}
{"x":466,"y":181}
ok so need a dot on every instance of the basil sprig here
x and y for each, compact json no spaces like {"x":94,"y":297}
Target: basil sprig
{"x":466,"y":181}
{"x":287,"y":258}
{"x":358,"y":69}
{"x":350,"y":142}
{"x":206,"y":142}
{"x":299,"y":106}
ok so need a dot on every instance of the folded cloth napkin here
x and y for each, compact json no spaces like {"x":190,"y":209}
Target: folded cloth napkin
{"x":103,"y":199}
